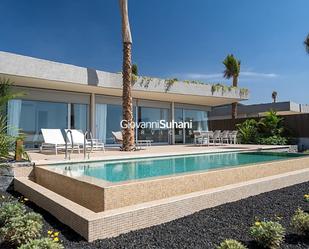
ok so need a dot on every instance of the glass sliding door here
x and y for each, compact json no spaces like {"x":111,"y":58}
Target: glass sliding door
{"x":31,"y":116}
{"x":108,"y":118}
{"x":14,"y":113}
{"x":79,"y":117}
{"x":153,"y":115}
{"x":100,"y":121}
{"x":199,"y":122}
{"x":114,"y":117}
{"x":179,"y":132}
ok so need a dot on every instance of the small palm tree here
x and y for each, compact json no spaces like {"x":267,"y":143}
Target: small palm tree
{"x":232,"y":70}
{"x":306,"y":42}
{"x":6,"y":93}
{"x":274,"y":96}
{"x":127,"y":107}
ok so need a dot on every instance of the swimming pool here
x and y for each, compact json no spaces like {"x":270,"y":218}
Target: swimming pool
{"x":135,"y":169}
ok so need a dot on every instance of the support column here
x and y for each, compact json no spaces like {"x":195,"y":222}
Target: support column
{"x":172,"y":120}
{"x":69,"y":116}
{"x":136,"y":120}
{"x":92,"y":114}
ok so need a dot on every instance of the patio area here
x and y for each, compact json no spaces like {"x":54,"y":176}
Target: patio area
{"x":151,"y":151}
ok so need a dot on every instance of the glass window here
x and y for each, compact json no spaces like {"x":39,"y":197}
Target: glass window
{"x":157,"y":135}
{"x":178,"y":131}
{"x":79,"y":117}
{"x":108,"y":118}
{"x":199,"y":122}
{"x":114,"y":117}
{"x":31,"y":116}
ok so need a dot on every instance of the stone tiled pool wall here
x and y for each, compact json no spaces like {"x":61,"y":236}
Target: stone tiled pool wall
{"x":98,"y":195}
{"x":92,"y":225}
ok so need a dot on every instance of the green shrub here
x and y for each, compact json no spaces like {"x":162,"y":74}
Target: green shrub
{"x":268,"y":234}
{"x":247,"y":131}
{"x":231,"y":244}
{"x":10,"y":210}
{"x":273,"y":140}
{"x":22,"y":229}
{"x":6,"y":141}
{"x":271,"y":124}
{"x":300,"y":221}
{"x":45,"y":243}
{"x":268,"y":130}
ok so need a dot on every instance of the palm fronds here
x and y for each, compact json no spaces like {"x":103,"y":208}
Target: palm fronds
{"x":7,"y":142}
{"x":232,"y":67}
{"x":306,"y":42}
{"x":6,"y":92}
{"x":274,"y":96}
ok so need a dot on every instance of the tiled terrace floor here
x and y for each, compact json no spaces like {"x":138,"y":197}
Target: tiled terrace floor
{"x":163,"y":150}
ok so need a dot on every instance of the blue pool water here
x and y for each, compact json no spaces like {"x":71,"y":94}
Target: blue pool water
{"x":117,"y":171}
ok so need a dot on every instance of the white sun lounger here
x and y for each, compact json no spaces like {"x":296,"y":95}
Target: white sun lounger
{"x":53,"y":139}
{"x":139,"y":143}
{"x":78,"y":140}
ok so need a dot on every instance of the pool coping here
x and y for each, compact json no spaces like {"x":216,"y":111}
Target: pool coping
{"x":108,"y":184}
{"x":160,"y":154}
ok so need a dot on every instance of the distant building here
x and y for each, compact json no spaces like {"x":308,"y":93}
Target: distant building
{"x":258,"y":110}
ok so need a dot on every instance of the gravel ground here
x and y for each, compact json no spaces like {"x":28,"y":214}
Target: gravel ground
{"x":204,"y":229}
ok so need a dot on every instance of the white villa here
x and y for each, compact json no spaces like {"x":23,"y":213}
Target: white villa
{"x":64,"y":96}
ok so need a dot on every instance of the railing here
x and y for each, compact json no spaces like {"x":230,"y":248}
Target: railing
{"x":66,"y":144}
{"x":85,"y":144}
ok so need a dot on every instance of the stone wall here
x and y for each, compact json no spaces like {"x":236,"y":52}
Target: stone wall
{"x":6,"y":177}
{"x":9,"y":170}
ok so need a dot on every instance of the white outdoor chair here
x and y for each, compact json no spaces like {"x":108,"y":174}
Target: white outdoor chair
{"x":233,"y":137}
{"x":198,"y":138}
{"x":225,"y":137}
{"x":206,"y":136}
{"x":53,"y":139}
{"x":216,"y":137}
{"x":78,"y":140}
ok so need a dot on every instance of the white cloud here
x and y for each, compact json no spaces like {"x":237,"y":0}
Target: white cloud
{"x":219,"y":76}
{"x":259,"y":75}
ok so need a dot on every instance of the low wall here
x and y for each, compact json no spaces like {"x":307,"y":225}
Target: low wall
{"x":10,"y":170}
{"x":98,"y":197}
{"x":83,"y":193}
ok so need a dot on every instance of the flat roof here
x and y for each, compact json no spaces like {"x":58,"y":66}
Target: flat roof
{"x":32,"y":72}
{"x":257,"y":110}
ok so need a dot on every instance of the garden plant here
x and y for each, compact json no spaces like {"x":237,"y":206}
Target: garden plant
{"x":267,"y":130}
{"x":231,"y":244}
{"x":268,"y":234}
{"x":300,"y":222}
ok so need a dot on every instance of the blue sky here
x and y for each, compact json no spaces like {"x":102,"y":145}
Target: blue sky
{"x":174,"y":38}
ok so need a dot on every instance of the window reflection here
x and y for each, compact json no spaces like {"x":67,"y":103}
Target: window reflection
{"x":199,"y":122}
{"x":31,"y":116}
{"x":148,"y":114}
{"x":79,"y":117}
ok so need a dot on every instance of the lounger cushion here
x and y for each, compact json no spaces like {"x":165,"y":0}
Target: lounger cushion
{"x":52,"y":136}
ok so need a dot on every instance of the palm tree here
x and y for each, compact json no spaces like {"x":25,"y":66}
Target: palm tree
{"x":127,"y":113}
{"x":232,"y":69}
{"x":6,"y":94}
{"x":274,"y":96}
{"x":306,"y":42}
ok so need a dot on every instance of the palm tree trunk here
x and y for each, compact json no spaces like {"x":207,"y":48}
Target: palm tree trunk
{"x":234,"y":105}
{"x":127,"y":113}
